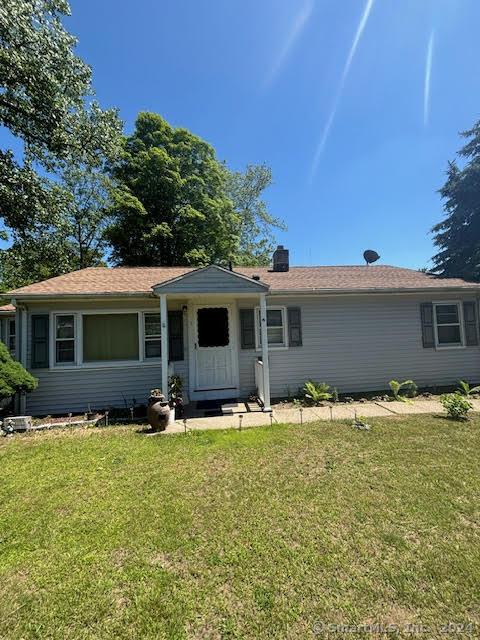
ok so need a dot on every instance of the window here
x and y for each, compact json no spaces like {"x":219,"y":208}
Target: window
{"x":110,"y":337}
{"x":275,"y":327}
{"x":64,"y":339}
{"x":11,"y":336}
{"x":152,"y":331}
{"x":212,"y":326}
{"x":448,"y":325}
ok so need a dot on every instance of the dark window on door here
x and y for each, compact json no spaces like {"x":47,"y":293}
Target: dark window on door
{"x":213,"y":327}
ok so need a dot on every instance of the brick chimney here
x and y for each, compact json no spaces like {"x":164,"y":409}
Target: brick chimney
{"x":280,"y":259}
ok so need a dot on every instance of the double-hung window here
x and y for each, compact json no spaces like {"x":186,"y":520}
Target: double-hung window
{"x":276,"y":327}
{"x":64,"y":339}
{"x":152,"y":334}
{"x":11,"y":336}
{"x":448,"y":325}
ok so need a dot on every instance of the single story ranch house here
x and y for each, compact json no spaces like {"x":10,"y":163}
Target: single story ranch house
{"x":101,"y":337}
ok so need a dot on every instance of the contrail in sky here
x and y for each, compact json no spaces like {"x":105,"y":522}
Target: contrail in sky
{"x":428,"y":75}
{"x":293,"y":35}
{"x":338,"y":95}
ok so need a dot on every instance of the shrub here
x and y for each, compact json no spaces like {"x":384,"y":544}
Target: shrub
{"x":465,"y":390}
{"x":456,"y":405}
{"x":13,"y":377}
{"x":316,"y":393}
{"x":409,"y":386}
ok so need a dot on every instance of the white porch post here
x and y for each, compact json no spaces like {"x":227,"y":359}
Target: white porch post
{"x":266,"y":368}
{"x":164,"y":338}
{"x":22,"y":355}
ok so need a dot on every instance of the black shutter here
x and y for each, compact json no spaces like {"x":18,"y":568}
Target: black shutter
{"x":294,"y":326}
{"x":175,"y":336}
{"x":470,"y":320}
{"x":426,"y":314}
{"x":40,"y":355}
{"x":247,"y":328}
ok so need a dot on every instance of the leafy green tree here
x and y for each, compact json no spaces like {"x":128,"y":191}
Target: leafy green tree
{"x":257,"y":240}
{"x":44,"y":91}
{"x":13,"y":377}
{"x":170,"y":206}
{"x":458,"y":234}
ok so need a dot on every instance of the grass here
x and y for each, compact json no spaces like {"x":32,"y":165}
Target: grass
{"x":105,"y":533}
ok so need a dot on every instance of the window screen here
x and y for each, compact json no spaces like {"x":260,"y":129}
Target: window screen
{"x":110,"y":337}
{"x":213,"y":327}
{"x":448,"y":324}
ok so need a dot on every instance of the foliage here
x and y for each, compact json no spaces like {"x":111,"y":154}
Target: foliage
{"x":410,"y":389}
{"x":257,"y":241}
{"x":335,"y":395}
{"x":465,"y":389}
{"x":44,"y":93}
{"x":13,"y":377}
{"x":175,"y":203}
{"x":458,"y":235}
{"x":175,"y":386}
{"x":315,"y":393}
{"x":170,"y":205}
{"x":456,"y":405}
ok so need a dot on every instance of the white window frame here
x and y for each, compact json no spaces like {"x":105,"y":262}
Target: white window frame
{"x":54,"y":340}
{"x":258,"y":341}
{"x":148,"y":338}
{"x":9,"y":335}
{"x":460,"y":323}
{"x":78,"y":340}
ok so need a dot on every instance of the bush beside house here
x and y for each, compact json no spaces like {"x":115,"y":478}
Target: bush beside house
{"x":13,"y":377}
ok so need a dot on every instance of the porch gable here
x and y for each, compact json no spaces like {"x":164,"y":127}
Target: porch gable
{"x":211,"y":279}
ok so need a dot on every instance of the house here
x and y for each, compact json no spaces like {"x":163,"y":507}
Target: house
{"x":105,"y":336}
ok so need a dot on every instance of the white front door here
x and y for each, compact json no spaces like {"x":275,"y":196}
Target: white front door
{"x":213,"y":349}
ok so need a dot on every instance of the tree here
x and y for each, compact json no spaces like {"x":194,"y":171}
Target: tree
{"x":458,"y":235}
{"x":257,"y":241}
{"x":44,"y":89}
{"x":13,"y":377}
{"x":170,"y":205}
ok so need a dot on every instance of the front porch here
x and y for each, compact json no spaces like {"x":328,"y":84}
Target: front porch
{"x":212,"y":300}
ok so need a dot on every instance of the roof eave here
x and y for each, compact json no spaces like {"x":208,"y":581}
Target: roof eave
{"x":389,"y":290}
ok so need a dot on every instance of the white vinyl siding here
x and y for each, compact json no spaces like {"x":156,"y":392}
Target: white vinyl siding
{"x":360,"y":343}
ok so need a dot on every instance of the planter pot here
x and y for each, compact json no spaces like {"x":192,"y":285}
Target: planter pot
{"x":158,"y":413}
{"x":171,"y":418}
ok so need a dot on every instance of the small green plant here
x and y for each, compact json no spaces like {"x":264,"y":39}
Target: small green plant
{"x":335,"y":395}
{"x":409,"y":386}
{"x":316,"y":393}
{"x":456,"y":405}
{"x":464,"y":389}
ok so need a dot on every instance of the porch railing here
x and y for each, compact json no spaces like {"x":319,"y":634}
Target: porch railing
{"x":259,"y":381}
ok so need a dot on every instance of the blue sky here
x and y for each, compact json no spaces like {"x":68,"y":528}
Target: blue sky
{"x":355,"y":104}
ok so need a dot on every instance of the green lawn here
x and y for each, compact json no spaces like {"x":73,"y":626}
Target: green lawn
{"x":105,"y":533}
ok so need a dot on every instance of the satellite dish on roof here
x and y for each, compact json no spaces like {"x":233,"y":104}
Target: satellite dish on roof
{"x":370,"y":256}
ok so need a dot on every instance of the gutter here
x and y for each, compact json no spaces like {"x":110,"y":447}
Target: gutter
{"x":276,"y":292}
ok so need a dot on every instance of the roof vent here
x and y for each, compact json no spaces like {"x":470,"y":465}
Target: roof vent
{"x":255,"y":277}
{"x":280,"y":259}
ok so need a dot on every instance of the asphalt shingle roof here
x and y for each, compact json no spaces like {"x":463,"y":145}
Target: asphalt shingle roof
{"x":140,"y":280}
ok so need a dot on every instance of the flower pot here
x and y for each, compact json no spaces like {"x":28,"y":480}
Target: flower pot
{"x":171,"y":418}
{"x":158,"y":412}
